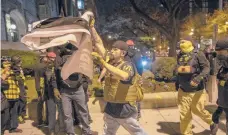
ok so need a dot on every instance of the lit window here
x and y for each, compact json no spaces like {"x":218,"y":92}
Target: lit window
{"x":80,"y":4}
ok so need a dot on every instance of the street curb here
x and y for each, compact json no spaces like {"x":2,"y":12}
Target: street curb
{"x":150,"y":101}
{"x":159,"y":100}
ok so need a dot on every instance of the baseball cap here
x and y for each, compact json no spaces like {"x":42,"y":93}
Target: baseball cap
{"x":120,"y":45}
{"x":130,"y":42}
{"x":51,"y":55}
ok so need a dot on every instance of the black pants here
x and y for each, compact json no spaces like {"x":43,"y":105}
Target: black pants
{"x":40,"y":111}
{"x":5,"y":120}
{"x":51,"y":105}
{"x":22,"y":107}
{"x":22,"y":101}
{"x":13,"y":109}
{"x":216,"y":115}
{"x":75,"y":114}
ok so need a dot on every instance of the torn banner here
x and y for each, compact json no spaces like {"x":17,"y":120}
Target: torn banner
{"x":55,"y":32}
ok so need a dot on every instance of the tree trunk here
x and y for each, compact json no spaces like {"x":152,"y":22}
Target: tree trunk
{"x":173,"y":46}
{"x":175,"y":38}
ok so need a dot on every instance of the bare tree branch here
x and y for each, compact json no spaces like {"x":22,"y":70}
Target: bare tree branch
{"x":132,"y":31}
{"x":151,"y":20}
{"x":178,"y":5}
{"x":166,"y":5}
{"x":145,"y":32}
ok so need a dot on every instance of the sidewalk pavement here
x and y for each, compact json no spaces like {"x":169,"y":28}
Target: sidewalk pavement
{"x":154,"y":121}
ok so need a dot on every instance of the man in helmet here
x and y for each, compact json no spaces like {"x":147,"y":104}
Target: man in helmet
{"x":222,"y":76}
{"x":191,"y":70}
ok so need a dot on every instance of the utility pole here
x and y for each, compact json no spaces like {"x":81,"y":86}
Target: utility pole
{"x":220,"y":4}
{"x":212,"y":84}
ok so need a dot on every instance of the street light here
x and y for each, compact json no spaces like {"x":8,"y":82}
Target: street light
{"x":154,"y":38}
{"x":191,"y":33}
{"x":109,"y":36}
{"x":13,"y":26}
{"x":192,"y":30}
{"x":226,"y":23}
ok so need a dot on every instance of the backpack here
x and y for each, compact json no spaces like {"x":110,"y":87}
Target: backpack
{"x":137,"y":78}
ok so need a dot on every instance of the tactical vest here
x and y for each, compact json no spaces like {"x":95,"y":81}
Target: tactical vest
{"x":223,"y":77}
{"x":117,"y":91}
{"x":185,"y":64}
{"x":187,"y":69}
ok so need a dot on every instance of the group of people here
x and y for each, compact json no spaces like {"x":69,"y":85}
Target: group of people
{"x":122,"y":89}
{"x":71,"y":102}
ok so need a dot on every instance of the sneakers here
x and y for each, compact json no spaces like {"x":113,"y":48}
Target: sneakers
{"x":15,"y":131}
{"x":214,"y":128}
{"x":42,"y":125}
{"x":26,"y":117}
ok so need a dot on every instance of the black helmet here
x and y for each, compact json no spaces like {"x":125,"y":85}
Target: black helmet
{"x":222,"y":44}
{"x":16,"y":59}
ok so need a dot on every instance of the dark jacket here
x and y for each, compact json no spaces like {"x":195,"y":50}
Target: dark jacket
{"x":47,"y":74}
{"x":222,"y":77}
{"x":74,"y":81}
{"x":200,"y":69}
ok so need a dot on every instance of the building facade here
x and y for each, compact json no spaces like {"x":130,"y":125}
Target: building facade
{"x":18,"y":15}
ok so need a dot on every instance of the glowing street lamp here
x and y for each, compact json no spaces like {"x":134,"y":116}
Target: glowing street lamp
{"x":154,"y":38}
{"x":109,"y":36}
{"x":192,"y":30}
{"x":226,"y":23}
{"x":13,"y":26}
{"x":191,"y":33}
{"x":144,"y":63}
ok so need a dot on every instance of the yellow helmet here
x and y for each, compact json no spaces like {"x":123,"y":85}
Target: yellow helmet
{"x":186,"y":46}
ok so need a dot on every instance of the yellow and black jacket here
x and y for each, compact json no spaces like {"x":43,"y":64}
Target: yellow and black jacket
{"x":13,"y":93}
